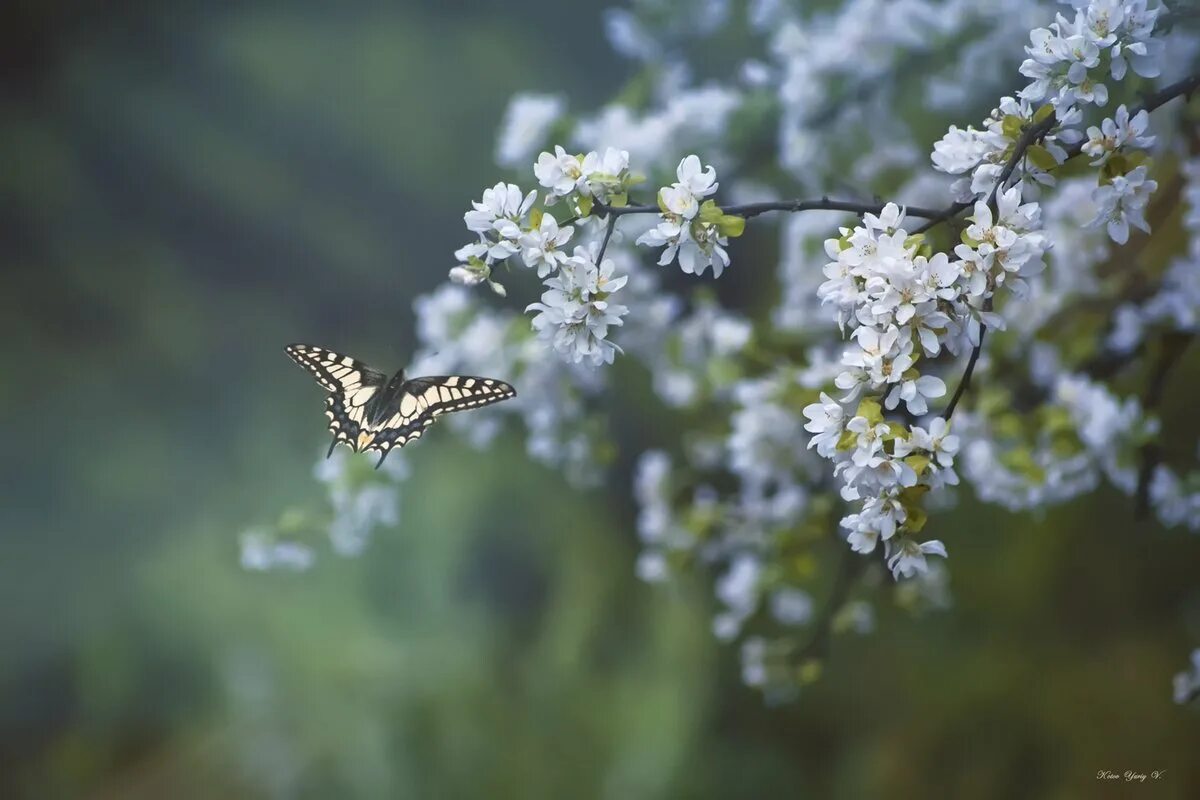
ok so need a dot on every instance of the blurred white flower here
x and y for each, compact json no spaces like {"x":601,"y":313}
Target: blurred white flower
{"x":526,"y":124}
{"x":1123,"y":203}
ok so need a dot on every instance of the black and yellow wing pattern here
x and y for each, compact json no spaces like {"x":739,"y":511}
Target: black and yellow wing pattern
{"x":369,"y":412}
{"x":351,"y":385}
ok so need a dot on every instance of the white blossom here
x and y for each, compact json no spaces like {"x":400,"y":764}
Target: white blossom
{"x":559,"y":172}
{"x":1115,"y":133}
{"x":1187,"y":684}
{"x":1123,"y":203}
{"x":907,"y":558}
{"x":826,"y":421}
{"x":540,"y":247}
{"x":260,"y":552}
{"x":791,"y":606}
{"x":501,"y":203}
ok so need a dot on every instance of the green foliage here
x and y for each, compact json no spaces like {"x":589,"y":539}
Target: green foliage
{"x":869,"y":409}
{"x":1040,"y":157}
{"x":1011,"y":126}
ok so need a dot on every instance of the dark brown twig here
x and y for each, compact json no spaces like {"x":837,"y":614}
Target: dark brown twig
{"x":748,"y":210}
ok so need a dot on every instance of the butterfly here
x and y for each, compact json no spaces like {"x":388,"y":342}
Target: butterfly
{"x":369,"y":411}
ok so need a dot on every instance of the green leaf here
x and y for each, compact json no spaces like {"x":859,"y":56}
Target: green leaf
{"x":809,"y":671}
{"x":710,"y":212}
{"x":723,"y":372}
{"x":847,"y":441}
{"x":619,"y":200}
{"x":1137,"y":158}
{"x":1042,"y":113}
{"x":535,"y":218}
{"x":918,"y":462}
{"x":910,"y":497}
{"x":1041,"y":157}
{"x":1056,"y":419}
{"x":870,"y":409}
{"x":1117,"y":165}
{"x":1020,"y":460}
{"x":1011,"y":126}
{"x":585,"y":206}
{"x":916,"y":240}
{"x":731,"y":225}
{"x":916,"y":519}
{"x":292,"y":520}
{"x":662,"y":204}
{"x":1008,"y":425}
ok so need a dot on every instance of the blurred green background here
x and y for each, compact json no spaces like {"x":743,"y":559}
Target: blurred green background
{"x":184,"y":188}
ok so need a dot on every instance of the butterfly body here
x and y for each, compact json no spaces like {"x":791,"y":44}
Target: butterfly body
{"x":369,"y":411}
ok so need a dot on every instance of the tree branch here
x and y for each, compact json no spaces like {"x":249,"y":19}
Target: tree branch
{"x":1173,"y":346}
{"x":1029,"y":137}
{"x":754,"y":209}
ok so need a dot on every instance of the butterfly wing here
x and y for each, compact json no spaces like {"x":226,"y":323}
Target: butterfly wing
{"x":422,"y":400}
{"x":351,"y":385}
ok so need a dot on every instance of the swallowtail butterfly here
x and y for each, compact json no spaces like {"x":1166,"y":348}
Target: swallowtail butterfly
{"x":369,"y":411}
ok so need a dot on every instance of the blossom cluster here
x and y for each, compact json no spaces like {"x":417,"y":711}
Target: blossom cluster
{"x":982,"y":154}
{"x":1176,"y":304}
{"x":1065,"y":59}
{"x":361,"y":500}
{"x":902,"y":307}
{"x":692,"y":229}
{"x":795,"y":431}
{"x":575,"y":313}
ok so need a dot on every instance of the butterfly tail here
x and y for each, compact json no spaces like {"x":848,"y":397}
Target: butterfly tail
{"x":332,"y":445}
{"x":379,"y":463}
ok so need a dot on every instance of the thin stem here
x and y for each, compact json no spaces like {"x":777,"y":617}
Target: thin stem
{"x":608,"y":232}
{"x":850,"y":568}
{"x":965,"y":381}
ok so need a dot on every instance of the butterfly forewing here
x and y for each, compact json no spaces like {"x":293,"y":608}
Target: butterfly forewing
{"x":442,"y":393}
{"x":338,"y":373}
{"x":350,"y":383}
{"x":421,"y":400}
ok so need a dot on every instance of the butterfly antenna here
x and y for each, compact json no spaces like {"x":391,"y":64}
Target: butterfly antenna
{"x":332,"y":445}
